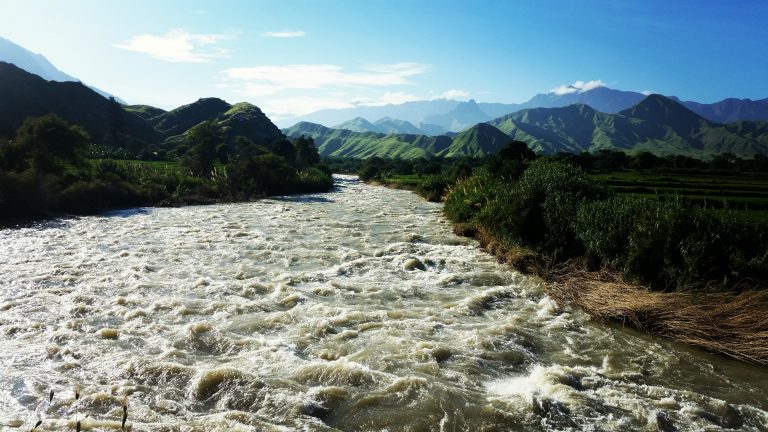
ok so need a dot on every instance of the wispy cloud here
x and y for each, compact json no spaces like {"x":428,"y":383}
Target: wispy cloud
{"x":287,"y":107}
{"x":452,"y":94}
{"x":388,"y":98}
{"x":578,"y":86}
{"x":270,"y":80}
{"x":179,"y":46}
{"x":285,"y":34}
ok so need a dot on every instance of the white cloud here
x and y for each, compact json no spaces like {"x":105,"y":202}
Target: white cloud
{"x":268,"y":80}
{"x":179,"y":46}
{"x":578,"y":86}
{"x":452,"y":94}
{"x":393,"y":98}
{"x":281,"y":108}
{"x":646,"y":92}
{"x":285,"y":34}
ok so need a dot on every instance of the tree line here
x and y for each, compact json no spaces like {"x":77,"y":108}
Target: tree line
{"x":50,"y":167}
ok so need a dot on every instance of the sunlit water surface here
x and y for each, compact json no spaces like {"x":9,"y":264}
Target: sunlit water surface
{"x":355,"y":310}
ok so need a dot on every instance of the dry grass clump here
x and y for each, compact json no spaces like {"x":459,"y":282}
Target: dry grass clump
{"x":732,"y":324}
{"x":520,"y":258}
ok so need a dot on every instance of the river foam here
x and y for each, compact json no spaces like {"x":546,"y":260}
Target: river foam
{"x":356,"y":310}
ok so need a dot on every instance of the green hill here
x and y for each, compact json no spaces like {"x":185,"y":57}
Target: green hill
{"x":23,"y":95}
{"x":144,"y":111}
{"x":346,"y":143}
{"x":656,"y":124}
{"x":357,"y":124}
{"x":179,"y":120}
{"x":242,"y":119}
{"x":478,"y":141}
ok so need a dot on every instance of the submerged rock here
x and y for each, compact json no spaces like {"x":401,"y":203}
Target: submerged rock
{"x":414,"y":264}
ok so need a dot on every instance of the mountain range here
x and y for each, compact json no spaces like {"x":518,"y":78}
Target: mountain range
{"x":441,"y":116}
{"x":657,"y":124}
{"x":572,"y":121}
{"x":37,"y":64}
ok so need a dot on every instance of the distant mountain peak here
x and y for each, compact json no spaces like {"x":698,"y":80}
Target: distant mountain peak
{"x":661,"y":109}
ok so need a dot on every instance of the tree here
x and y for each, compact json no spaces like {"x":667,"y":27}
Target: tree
{"x":49,"y":142}
{"x":644,"y":161}
{"x":246,"y":149}
{"x":517,"y":150}
{"x":284,"y":148}
{"x":306,"y":153}
{"x":203,"y":141}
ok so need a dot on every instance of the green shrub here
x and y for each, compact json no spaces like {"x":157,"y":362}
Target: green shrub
{"x":540,"y":209}
{"x":604,"y":227}
{"x":25,"y":193}
{"x":433,"y":187}
{"x":668,"y":245}
{"x":467,"y":197}
{"x":90,"y":197}
{"x":314,"y":180}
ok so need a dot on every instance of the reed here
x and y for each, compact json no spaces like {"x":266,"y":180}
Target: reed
{"x":733,"y":324}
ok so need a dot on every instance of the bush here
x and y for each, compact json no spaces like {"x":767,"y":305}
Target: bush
{"x":314,"y":180}
{"x":25,"y":193}
{"x":433,"y":187}
{"x":85,"y":198}
{"x":669,"y":246}
{"x":465,"y":199}
{"x":540,"y":209}
{"x":604,"y":227}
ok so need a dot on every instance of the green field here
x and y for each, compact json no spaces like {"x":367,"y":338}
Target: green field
{"x":745,"y":192}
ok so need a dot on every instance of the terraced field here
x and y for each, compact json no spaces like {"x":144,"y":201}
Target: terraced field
{"x":745,"y":192}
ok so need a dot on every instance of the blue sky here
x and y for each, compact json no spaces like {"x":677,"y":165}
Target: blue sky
{"x":294,"y":56}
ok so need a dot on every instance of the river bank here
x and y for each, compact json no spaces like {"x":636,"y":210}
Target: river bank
{"x":729,"y":321}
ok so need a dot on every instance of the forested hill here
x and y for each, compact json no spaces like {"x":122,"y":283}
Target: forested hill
{"x":23,"y":95}
{"x":138,"y":127}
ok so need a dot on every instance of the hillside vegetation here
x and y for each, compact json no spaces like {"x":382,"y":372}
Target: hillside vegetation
{"x":656,"y":124}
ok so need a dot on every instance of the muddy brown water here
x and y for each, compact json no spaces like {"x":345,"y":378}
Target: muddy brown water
{"x":356,"y":310}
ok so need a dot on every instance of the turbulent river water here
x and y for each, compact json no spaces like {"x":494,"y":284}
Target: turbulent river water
{"x":355,"y":310}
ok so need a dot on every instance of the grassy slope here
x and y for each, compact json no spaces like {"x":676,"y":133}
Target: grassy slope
{"x":362,"y":145}
{"x":658,"y":125}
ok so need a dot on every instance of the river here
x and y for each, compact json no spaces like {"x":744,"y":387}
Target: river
{"x":356,"y":310}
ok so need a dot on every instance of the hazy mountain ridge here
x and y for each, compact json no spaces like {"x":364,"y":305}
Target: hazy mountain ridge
{"x":455,"y":116}
{"x":730,"y":110}
{"x":656,"y":124}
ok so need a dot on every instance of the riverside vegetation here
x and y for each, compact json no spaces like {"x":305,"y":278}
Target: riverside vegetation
{"x":675,"y":264}
{"x":51,"y":166}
